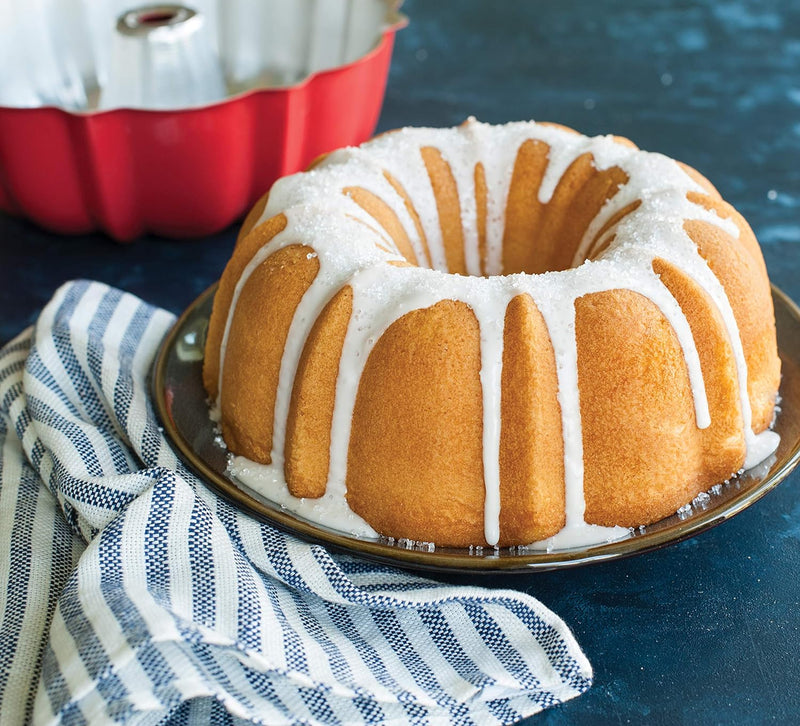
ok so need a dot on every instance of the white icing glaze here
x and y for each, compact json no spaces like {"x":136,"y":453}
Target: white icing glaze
{"x":330,"y":510}
{"x":353,"y":250}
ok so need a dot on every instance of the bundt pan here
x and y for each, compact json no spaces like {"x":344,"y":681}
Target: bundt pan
{"x":297,"y":80}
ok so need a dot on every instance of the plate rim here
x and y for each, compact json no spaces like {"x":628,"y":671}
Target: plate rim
{"x":486,"y":560}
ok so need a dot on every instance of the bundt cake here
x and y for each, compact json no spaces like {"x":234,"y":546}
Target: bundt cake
{"x":493,"y":335}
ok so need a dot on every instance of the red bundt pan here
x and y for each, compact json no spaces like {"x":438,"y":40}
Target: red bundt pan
{"x":187,"y":172}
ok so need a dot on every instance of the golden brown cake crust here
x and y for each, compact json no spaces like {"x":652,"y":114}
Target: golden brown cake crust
{"x":415,"y":460}
{"x":308,"y":427}
{"x":531,"y":446}
{"x":255,"y":344}
{"x":445,"y":190}
{"x":246,"y":248}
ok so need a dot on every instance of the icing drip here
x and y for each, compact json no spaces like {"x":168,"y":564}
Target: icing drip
{"x":491,"y":374}
{"x":320,"y":216}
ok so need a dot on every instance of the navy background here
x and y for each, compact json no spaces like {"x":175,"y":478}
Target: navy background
{"x":705,"y":631}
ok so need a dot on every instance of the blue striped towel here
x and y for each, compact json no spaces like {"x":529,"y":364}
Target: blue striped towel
{"x":132,"y":593}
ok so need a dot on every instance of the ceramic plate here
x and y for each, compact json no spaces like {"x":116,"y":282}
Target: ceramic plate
{"x":181,"y":404}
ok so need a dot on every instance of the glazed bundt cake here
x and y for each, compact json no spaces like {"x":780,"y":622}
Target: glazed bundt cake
{"x":493,"y":335}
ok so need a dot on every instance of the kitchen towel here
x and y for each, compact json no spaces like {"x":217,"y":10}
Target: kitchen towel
{"x":132,"y":593}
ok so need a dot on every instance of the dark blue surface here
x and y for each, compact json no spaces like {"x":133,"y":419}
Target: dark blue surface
{"x":706,"y":631}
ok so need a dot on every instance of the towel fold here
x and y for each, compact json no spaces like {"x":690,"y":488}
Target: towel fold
{"x":132,"y":593}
